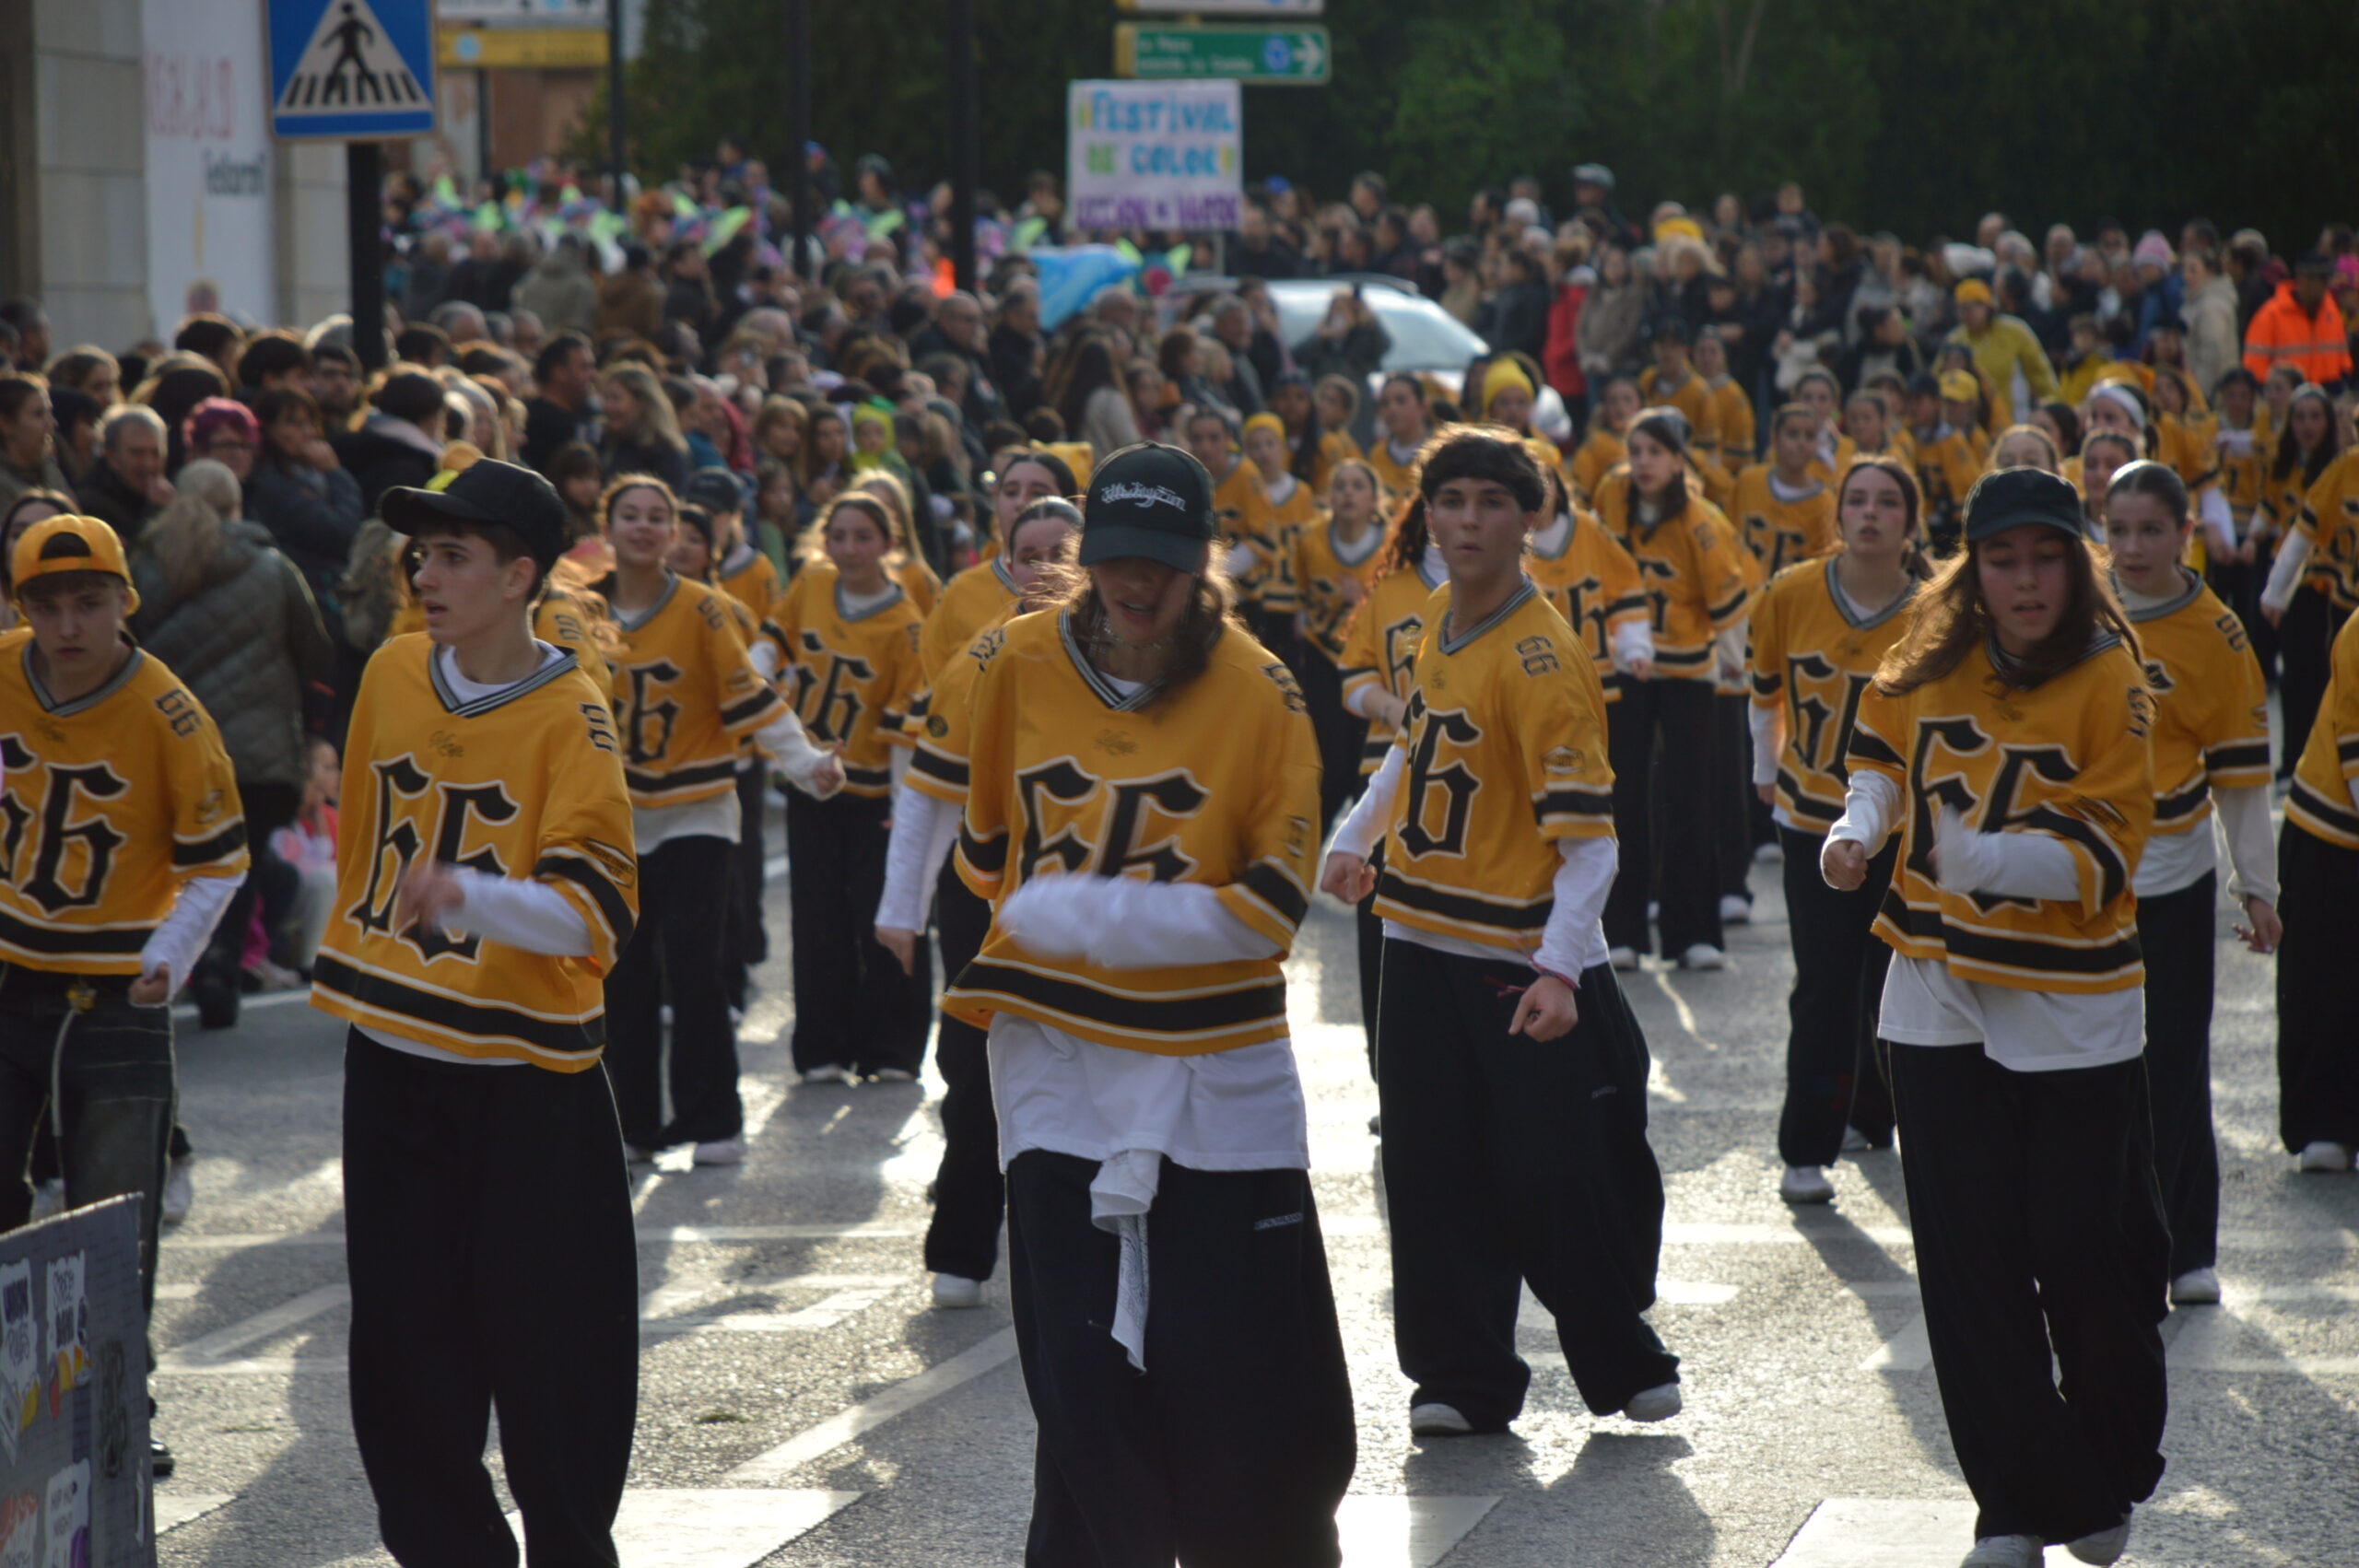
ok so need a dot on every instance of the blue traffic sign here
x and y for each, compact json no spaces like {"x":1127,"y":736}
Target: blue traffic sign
{"x":351,"y":69}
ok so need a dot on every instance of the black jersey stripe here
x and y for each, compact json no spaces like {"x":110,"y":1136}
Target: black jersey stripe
{"x":867,"y":778}
{"x":485,"y":1022}
{"x":679,"y":778}
{"x":2348,"y":751}
{"x":988,"y":856}
{"x":2334,"y":817}
{"x":1573,"y":802}
{"x":1766,"y":685}
{"x":1462,"y":908}
{"x":2183,"y":802}
{"x":1153,"y":1017}
{"x":738,"y":715}
{"x":2113,"y":871}
{"x":940,"y":769}
{"x":1729,"y":606}
{"x":1869,"y":746}
{"x":1682,"y":658}
{"x":921,"y":705}
{"x":1801,"y":805}
{"x":1277,"y":889}
{"x":578,"y":870}
{"x":71,"y":941}
{"x":2015,"y":953}
{"x":204,"y":852}
{"x":2236,"y":754}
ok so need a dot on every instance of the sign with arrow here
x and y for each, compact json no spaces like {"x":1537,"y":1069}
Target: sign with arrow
{"x":1263,"y":56}
{"x":351,"y":69}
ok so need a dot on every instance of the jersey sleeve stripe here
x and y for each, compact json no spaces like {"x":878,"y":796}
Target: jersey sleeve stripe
{"x":1728,"y":607}
{"x":2330,"y":817}
{"x":919,"y":706}
{"x":1790,"y":796}
{"x":752,"y":713}
{"x":1272,"y":887}
{"x":2183,"y":802}
{"x":473,"y":1021}
{"x":204,"y":852}
{"x":2113,"y":874}
{"x":945,"y":771}
{"x":1872,"y":748}
{"x":1766,"y":685}
{"x":680,"y":779}
{"x":867,"y":778}
{"x":1587,"y":804}
{"x":988,"y":856}
{"x":2236,"y":756}
{"x":1682,"y":658}
{"x":2348,"y":750}
{"x":1149,"y":1016}
{"x":578,"y":870}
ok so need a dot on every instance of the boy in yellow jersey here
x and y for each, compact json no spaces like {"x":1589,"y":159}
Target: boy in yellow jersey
{"x":2318,"y":985}
{"x":1947,"y":466}
{"x":1141,"y":794}
{"x":1511,"y":1073}
{"x":2006,"y":739}
{"x":486,"y":882}
{"x":1785,"y":511}
{"x":124,"y":842}
{"x":848,"y":647}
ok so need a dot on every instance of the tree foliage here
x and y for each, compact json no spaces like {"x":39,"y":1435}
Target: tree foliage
{"x":1915,"y":115}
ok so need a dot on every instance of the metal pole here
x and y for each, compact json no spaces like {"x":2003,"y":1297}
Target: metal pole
{"x":616,"y":154}
{"x":483,"y":124}
{"x":364,"y":177}
{"x":798,"y":98}
{"x":964,"y":134}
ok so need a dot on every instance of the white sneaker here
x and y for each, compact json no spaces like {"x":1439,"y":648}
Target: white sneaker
{"x":49,"y":1199}
{"x":722,"y":1152}
{"x":895,"y":1075}
{"x":1654,"y":1404}
{"x":2004,"y":1551}
{"x":180,"y":1189}
{"x":951,"y":1291}
{"x":2197,"y":1287}
{"x":1856,"y":1143}
{"x":1736,"y":911}
{"x":1805,"y":1184}
{"x":1654,"y":909}
{"x":1703,"y":955}
{"x":1770,"y":854}
{"x":1438,"y":1421}
{"x":2106,"y":1546}
{"x":1625,"y":959}
{"x":828,"y":1074}
{"x":2324,"y":1156}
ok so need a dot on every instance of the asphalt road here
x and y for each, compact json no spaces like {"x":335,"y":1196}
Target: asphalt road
{"x":802,"y":1404}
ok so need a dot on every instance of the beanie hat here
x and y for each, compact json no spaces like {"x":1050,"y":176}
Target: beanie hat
{"x":1499,"y":375}
{"x":1265,"y":420}
{"x":1974,"y":291}
{"x":2153,"y":250}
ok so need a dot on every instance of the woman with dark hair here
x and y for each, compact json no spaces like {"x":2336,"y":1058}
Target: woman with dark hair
{"x":2306,"y":597}
{"x":172,"y":388}
{"x":1093,"y":401}
{"x":1181,"y":357}
{"x":2211,"y":740}
{"x":302,"y":493}
{"x":1819,"y":631}
{"x":1151,"y":1118}
{"x":29,"y":507}
{"x":1313,"y":449}
{"x":1404,"y":423}
{"x":1610,"y":335}
{"x":2012,"y":1018}
{"x":1698,"y":586}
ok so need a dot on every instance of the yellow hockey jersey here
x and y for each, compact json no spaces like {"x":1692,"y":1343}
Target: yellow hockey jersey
{"x":2330,"y":518}
{"x":1593,"y":583}
{"x":1834,"y":459}
{"x":686,"y":693}
{"x":1733,"y":417}
{"x":1217,"y":784}
{"x":1380,"y":648}
{"x":1946,"y":470}
{"x":2212,"y":704}
{"x":853,"y":676}
{"x":1600,"y":453}
{"x":2072,"y":759}
{"x":981,"y":596}
{"x":1398,"y":476}
{"x":751,"y":578}
{"x":1270,"y":582}
{"x":1695,"y":584}
{"x":938,"y":765}
{"x":1319,"y":572}
{"x":1241,"y":514}
{"x":1813,"y":658}
{"x":111,"y":802}
{"x":1505,"y":739}
{"x":2320,"y":801}
{"x":1781,"y":531}
{"x":526,"y":783}
{"x":1692,"y":398}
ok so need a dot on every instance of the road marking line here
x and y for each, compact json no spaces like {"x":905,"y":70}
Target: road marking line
{"x":673,"y":1300}
{"x":824,"y":1313}
{"x":1687,"y":1013}
{"x":713,"y":1528}
{"x":1882,"y":1532}
{"x":875,"y":1411}
{"x":216,"y":1347}
{"x":1910,"y":1350}
{"x":1405,"y":1532}
{"x":174,"y":1509}
{"x":177,"y":1293}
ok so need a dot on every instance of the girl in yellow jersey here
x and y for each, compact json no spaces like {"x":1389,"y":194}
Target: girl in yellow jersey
{"x":2240,"y":441}
{"x":1239,"y":507}
{"x":1730,"y":408}
{"x":2102,"y":453}
{"x":1832,"y":449}
{"x":1873,"y":430}
{"x":1819,"y":631}
{"x":970,"y":1195}
{"x":1591,"y":578}
{"x":1404,"y":423}
{"x":1693,"y":573}
{"x":1313,"y":447}
{"x":1602,"y":447}
{"x":2005,"y":739}
{"x":2318,"y":985}
{"x":2210,"y":739}
{"x":848,"y":648}
{"x":1509,"y":392}
{"x":1511,"y":1073}
{"x":1026,"y":474}
{"x":2298,"y":599}
{"x":686,"y":693}
{"x":1290,"y":503}
{"x":1336,"y":556}
{"x":1141,"y":796}
{"x":1782,"y":509}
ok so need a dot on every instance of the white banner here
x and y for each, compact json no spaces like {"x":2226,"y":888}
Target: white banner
{"x":1154,"y":155}
{"x":211,"y":212}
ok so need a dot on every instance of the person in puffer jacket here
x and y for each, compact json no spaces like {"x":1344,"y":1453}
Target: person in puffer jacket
{"x":233,"y":618}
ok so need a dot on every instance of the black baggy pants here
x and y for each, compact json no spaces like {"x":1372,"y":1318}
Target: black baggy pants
{"x":970,"y":1194}
{"x":1368,"y":932}
{"x":1340,"y":735}
{"x":1508,"y":1161}
{"x":2038,"y":1229}
{"x":2179,"y":931}
{"x":2318,"y":992}
{"x":748,"y":940}
{"x":488,"y":1234}
{"x":1833,"y":1079}
{"x":1677,"y":714}
{"x":1235,"y":1445}
{"x":676,"y":955}
{"x":1733,"y":802}
{"x":854,"y":1007}
{"x":2305,"y":653}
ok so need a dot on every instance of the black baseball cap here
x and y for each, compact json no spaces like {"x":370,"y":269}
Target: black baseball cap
{"x":488,"y":491}
{"x":1148,"y":501}
{"x":2011,"y":496}
{"x":715,"y":489}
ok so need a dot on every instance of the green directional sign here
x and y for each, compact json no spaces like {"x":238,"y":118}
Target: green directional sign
{"x":1267,"y":56}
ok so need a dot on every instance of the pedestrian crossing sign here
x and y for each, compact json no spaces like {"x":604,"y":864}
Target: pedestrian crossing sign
{"x":351,"y":69}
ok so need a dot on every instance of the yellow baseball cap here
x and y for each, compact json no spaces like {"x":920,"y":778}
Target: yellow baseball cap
{"x":1959,"y":387}
{"x":1973,"y":291}
{"x":68,"y":543}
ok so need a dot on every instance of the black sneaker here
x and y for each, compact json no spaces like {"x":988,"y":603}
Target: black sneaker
{"x":159,"y":1458}
{"x":217,"y":1002}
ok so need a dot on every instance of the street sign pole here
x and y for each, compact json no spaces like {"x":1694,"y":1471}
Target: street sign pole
{"x":364,"y":179}
{"x":618,"y":146}
{"x":964,"y":133}
{"x":798,"y":114}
